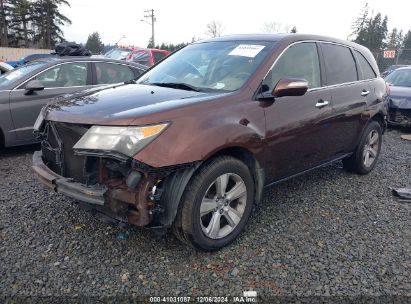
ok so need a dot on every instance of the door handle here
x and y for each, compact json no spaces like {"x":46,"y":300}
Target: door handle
{"x":321,"y":103}
{"x":365,"y":93}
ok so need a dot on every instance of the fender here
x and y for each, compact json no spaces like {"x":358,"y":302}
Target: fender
{"x":209,"y":132}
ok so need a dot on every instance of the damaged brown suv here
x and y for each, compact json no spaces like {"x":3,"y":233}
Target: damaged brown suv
{"x":191,"y":144}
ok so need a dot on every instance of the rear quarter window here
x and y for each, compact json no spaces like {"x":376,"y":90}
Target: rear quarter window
{"x":109,"y":73}
{"x":367,"y":71}
{"x":339,"y":64}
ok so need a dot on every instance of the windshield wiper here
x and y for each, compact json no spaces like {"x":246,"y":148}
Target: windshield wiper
{"x":176,"y":85}
{"x":132,"y":81}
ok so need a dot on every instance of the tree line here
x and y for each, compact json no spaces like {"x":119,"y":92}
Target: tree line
{"x":32,"y":23}
{"x":372,"y":32}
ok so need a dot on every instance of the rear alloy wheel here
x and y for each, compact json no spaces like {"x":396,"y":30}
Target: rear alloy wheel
{"x":371,"y":148}
{"x":366,"y":155}
{"x":216,"y":204}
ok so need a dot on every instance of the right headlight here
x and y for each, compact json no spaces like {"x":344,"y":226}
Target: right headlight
{"x":124,"y":140}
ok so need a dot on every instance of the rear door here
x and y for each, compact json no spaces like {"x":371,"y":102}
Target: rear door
{"x":297,"y":127}
{"x":348,"y":95}
{"x":60,"y":79}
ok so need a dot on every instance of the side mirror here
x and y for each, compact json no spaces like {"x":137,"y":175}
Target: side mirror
{"x":34,"y":85}
{"x":290,"y":87}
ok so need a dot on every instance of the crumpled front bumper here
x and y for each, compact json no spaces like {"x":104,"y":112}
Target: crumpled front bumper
{"x":399,"y":117}
{"x":399,"y":112}
{"x":93,"y":195}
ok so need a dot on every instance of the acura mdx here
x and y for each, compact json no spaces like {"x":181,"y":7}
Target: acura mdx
{"x":191,"y":144}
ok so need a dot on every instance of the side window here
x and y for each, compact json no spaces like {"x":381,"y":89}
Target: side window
{"x":299,"y":61}
{"x":142,"y":57}
{"x":339,"y":64}
{"x":158,"y":56}
{"x":108,"y":73}
{"x":65,"y":75}
{"x":365,"y":67}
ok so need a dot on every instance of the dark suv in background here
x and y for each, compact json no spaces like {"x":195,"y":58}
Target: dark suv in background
{"x":192,"y":144}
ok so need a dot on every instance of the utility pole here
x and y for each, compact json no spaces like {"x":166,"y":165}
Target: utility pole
{"x":149,"y":14}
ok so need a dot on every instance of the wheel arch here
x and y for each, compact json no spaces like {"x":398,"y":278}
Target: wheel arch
{"x":252,"y":163}
{"x":176,"y":183}
{"x":380,"y":118}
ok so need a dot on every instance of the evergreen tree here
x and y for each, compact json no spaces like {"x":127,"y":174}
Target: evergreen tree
{"x":395,"y":39}
{"x":150,"y":43}
{"x":170,"y":47}
{"x":49,"y":20}
{"x":360,"y":25}
{"x":5,"y":13}
{"x":371,"y":33}
{"x":407,"y":40}
{"x":20,"y":20}
{"x":94,"y":43}
{"x":406,"y":55}
{"x":294,"y":29}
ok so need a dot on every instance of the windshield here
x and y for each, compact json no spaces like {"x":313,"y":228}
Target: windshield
{"x":117,"y":54}
{"x":400,"y":78}
{"x":210,"y":66}
{"x":19,"y":73}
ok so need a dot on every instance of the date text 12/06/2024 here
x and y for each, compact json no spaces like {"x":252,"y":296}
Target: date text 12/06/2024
{"x":247,"y":297}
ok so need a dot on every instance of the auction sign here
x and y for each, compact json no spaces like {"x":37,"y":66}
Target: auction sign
{"x":389,"y":54}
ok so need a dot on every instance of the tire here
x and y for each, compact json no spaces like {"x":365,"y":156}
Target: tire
{"x":224,"y":217}
{"x":368,"y":148}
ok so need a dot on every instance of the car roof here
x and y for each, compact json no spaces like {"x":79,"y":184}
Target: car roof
{"x":281,"y":37}
{"x":57,"y":59}
{"x":284,"y":39}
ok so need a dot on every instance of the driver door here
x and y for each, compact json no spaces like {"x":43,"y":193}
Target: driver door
{"x":298,"y":129}
{"x":25,"y":106}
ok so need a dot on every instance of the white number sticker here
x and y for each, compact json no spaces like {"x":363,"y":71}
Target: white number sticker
{"x":247,"y":50}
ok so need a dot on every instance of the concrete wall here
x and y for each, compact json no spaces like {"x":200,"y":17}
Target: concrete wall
{"x":7,"y":53}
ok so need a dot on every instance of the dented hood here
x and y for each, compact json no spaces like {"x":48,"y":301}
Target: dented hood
{"x":118,"y":105}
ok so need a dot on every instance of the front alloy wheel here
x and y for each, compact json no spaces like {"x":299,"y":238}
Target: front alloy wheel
{"x":216,"y":204}
{"x":223,"y":206}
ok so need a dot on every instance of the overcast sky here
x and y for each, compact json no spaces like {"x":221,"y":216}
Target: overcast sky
{"x":180,"y":20}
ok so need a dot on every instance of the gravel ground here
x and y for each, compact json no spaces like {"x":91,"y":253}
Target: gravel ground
{"x":325,"y":233}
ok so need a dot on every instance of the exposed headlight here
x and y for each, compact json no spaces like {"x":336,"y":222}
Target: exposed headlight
{"x":124,"y":140}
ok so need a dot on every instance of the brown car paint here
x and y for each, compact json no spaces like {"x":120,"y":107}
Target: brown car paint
{"x":286,"y":136}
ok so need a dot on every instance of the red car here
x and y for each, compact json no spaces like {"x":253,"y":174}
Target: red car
{"x":147,"y":57}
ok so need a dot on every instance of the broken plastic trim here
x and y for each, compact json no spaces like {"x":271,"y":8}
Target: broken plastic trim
{"x":109,"y":154}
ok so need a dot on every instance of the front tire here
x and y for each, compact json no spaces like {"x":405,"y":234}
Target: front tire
{"x":216,"y":204}
{"x":365,"y":156}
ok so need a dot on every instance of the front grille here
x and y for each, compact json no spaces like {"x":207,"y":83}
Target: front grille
{"x":58,"y":153}
{"x":402,"y":116}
